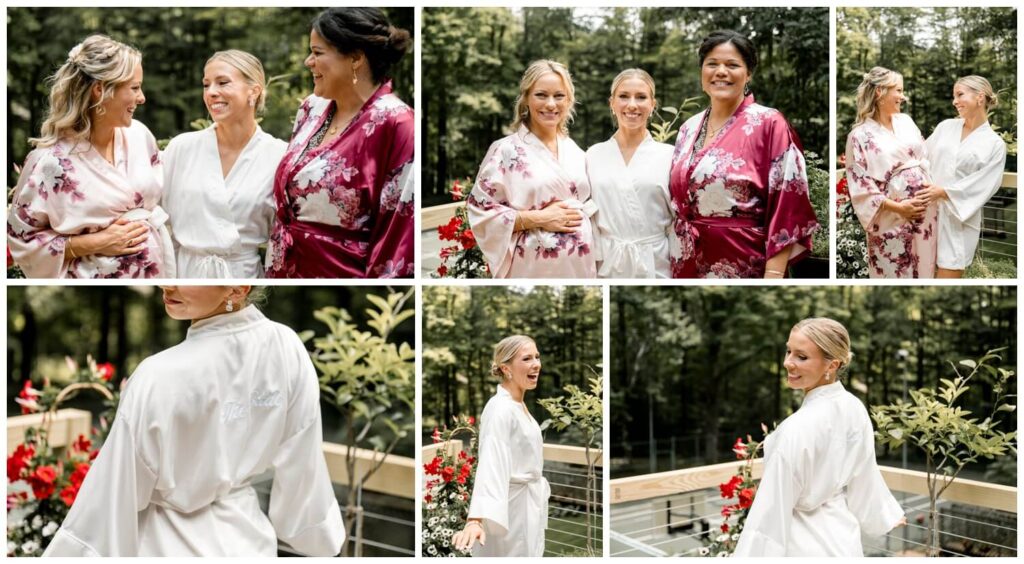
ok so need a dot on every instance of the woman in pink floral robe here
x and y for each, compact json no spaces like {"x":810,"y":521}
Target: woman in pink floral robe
{"x":887,"y":175}
{"x":345,"y":187}
{"x":86,"y":204}
{"x":740,"y":190}
{"x":530,"y":207}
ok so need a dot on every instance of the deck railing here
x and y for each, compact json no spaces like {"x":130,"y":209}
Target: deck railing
{"x":673,"y":513}
{"x":565,"y":469}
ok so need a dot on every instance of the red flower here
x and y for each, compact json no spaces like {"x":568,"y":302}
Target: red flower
{"x":68,"y":495}
{"x":78,"y":476}
{"x":16,"y":499}
{"x":42,"y":482}
{"x":841,"y":187}
{"x":470,"y":460}
{"x":436,"y":436}
{"x":467,"y":239}
{"x":18,"y":461}
{"x":729,"y":488}
{"x":739,"y":448}
{"x":456,"y":191}
{"x":463,"y":455}
{"x":447,"y":252}
{"x":471,"y":420}
{"x":725,"y":527}
{"x":82,"y":444}
{"x":442,"y":270}
{"x":428,"y":498}
{"x":448,"y":473}
{"x":461,"y":479}
{"x":727,"y":511}
{"x":434,"y":467}
{"x":466,"y":470}
{"x":28,"y":398}
{"x":105,"y":371}
{"x":746,"y":497}
{"x":450,"y":231}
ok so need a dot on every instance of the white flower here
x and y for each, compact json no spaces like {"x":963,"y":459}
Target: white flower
{"x":11,"y":547}
{"x":49,"y":172}
{"x":431,"y":550}
{"x":705,"y":168}
{"x":894,"y":247}
{"x":312,"y":172}
{"x":715,"y":199}
{"x":30,"y":547}
{"x":453,"y":518}
{"x":736,"y":537}
{"x":431,"y":506}
{"x":432,"y":522}
{"x":452,"y":495}
{"x":725,"y":554}
{"x":426,"y":534}
{"x":50,"y":528}
{"x":444,"y":504}
{"x":703,"y":551}
{"x":722,"y":538}
{"x":547,"y":240}
{"x":317,"y":207}
{"x":37,"y":522}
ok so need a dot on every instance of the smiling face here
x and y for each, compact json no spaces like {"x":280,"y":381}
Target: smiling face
{"x":119,"y":109}
{"x":332,"y":71}
{"x":632,"y":104}
{"x":200,"y":302}
{"x":724,"y":74}
{"x":890,"y":102}
{"x":523,"y":370}
{"x":806,"y":364}
{"x":548,"y":101}
{"x":967,"y":102}
{"x":226,"y":93}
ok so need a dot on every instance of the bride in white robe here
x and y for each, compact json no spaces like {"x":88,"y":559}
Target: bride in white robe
{"x":197,"y":424}
{"x":508,"y":511}
{"x":821,"y":487}
{"x":629,"y":181}
{"x":967,"y":160}
{"x":219,"y":182}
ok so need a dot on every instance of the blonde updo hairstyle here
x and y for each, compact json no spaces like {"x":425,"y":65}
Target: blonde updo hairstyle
{"x":505,"y":351}
{"x":628,"y":74}
{"x":96,"y":59}
{"x":876,"y":83}
{"x":251,"y":69}
{"x":530,"y":77}
{"x":831,"y":338}
{"x":980,"y":86}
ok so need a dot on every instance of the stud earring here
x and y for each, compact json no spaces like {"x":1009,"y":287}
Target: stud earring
{"x":230,"y":306}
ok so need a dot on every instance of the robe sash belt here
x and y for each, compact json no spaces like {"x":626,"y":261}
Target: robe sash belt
{"x":695,"y":224}
{"x":156,"y":218}
{"x":913,"y":163}
{"x":631,"y":255}
{"x":838,"y":498}
{"x":537,"y":488}
{"x":210,"y":265}
{"x":290,"y":233}
{"x":588,"y":208}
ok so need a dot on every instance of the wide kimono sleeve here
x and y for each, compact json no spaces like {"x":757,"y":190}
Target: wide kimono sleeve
{"x":766,"y":530}
{"x":867,"y":496}
{"x":490,"y":214}
{"x":104,"y":520}
{"x":394,"y":232}
{"x":866,"y":193}
{"x":303,"y":507}
{"x":969,"y":194}
{"x":46,"y":183}
{"x":791,"y":219}
{"x":494,"y":470}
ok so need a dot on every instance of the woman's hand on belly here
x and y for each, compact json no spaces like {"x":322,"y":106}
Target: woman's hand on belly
{"x":123,"y":237}
{"x":910,"y":210}
{"x":931,"y":193}
{"x":556,"y":217}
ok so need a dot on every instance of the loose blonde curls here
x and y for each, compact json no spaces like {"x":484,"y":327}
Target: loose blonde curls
{"x":96,"y":59}
{"x":504,"y":351}
{"x":530,"y":77}
{"x":980,"y":86}
{"x":876,"y":83}
{"x":830,"y":336}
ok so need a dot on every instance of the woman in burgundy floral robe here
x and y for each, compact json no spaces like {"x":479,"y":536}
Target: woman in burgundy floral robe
{"x":738,"y":183}
{"x":345,"y":187}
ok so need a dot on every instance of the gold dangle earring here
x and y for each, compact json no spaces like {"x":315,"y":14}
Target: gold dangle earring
{"x":355,"y":78}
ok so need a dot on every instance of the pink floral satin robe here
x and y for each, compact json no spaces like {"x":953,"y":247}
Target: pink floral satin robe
{"x":883,"y":164}
{"x":346,"y":209}
{"x":518,"y":174}
{"x":741,"y":199}
{"x":69,"y":189}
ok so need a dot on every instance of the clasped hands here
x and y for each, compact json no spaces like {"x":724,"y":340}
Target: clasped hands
{"x":914,"y":208}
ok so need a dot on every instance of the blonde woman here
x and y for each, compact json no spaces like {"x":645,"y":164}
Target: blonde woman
{"x":508,"y":511}
{"x":530,"y":207}
{"x":887,"y":175}
{"x":629,"y":177}
{"x":821,"y":487}
{"x":219,"y":182}
{"x":86,"y":204}
{"x":967,"y":160}
{"x":196,"y":426}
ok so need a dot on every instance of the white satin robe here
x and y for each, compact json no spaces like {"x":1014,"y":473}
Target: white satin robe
{"x":510,"y":493}
{"x":519,"y":173}
{"x":196,"y":425}
{"x":971,"y":172}
{"x":219,"y":223}
{"x":634,"y":208}
{"x":821,"y":487}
